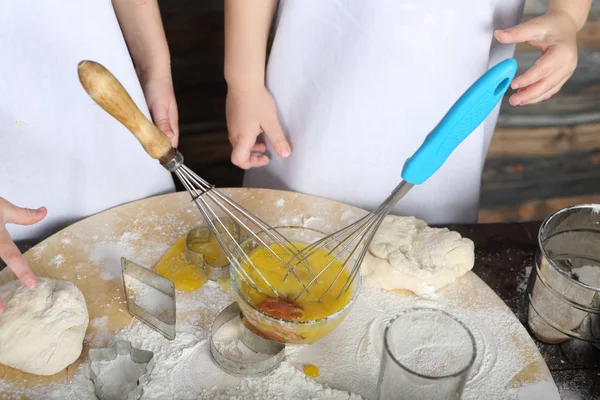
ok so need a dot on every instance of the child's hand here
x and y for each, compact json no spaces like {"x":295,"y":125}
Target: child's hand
{"x":160,"y":98}
{"x":9,"y":252}
{"x":251,"y":112}
{"x":554,"y":34}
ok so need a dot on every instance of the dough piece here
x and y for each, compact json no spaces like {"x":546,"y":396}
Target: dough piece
{"x":395,"y":233}
{"x":42,"y":329}
{"x":407,"y":254}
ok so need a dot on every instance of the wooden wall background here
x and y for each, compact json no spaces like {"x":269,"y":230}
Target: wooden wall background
{"x":542,"y":157}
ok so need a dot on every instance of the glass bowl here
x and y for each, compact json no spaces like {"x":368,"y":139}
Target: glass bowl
{"x":282,"y":330}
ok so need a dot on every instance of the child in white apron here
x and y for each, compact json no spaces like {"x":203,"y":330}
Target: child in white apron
{"x":58,"y":148}
{"x":353,"y":87}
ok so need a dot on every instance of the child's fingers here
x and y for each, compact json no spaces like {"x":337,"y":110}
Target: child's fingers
{"x":13,"y":258}
{"x":242,"y":149}
{"x":525,"y":32}
{"x":274,"y":133}
{"x":545,"y":66}
{"x":259,"y":148}
{"x":543,"y":97}
{"x":174,"y":120}
{"x":257,"y":161}
{"x":534,"y":91}
{"x":23,"y":216}
{"x":550,"y":92}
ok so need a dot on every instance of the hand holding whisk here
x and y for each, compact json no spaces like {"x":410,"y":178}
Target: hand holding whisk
{"x":109,"y":94}
{"x":350,"y":243}
{"x":464,"y":117}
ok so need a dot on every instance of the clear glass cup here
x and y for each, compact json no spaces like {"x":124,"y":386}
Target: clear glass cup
{"x":427,"y":354}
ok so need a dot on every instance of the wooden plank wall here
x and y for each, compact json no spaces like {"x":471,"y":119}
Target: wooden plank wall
{"x":547,"y":156}
{"x":542,"y":158}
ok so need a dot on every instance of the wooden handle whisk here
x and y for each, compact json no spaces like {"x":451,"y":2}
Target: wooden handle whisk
{"x":109,"y":94}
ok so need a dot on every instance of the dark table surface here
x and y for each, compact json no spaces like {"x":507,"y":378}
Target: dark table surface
{"x":503,"y":259}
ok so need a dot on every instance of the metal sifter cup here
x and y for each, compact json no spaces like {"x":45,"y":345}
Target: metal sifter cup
{"x":564,"y":286}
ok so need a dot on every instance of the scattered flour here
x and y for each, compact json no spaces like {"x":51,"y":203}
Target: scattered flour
{"x":99,"y":322}
{"x":108,"y":253}
{"x":38,"y":250}
{"x":350,"y":216}
{"x":318,"y":224}
{"x":100,"y":335}
{"x":522,"y":287}
{"x":296,"y":220}
{"x":184,"y":369}
{"x":57,"y":260}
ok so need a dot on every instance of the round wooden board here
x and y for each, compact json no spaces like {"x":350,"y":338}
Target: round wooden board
{"x":88,"y":254}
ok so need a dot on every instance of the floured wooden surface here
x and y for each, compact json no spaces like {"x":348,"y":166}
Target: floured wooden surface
{"x":88,"y":254}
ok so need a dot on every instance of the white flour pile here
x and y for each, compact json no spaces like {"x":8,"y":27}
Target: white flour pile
{"x":348,"y":358}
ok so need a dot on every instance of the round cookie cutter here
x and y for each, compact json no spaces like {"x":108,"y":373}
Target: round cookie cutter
{"x":202,"y":234}
{"x":254,"y":342}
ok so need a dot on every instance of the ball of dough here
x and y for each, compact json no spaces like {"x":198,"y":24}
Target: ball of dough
{"x":42,"y":329}
{"x":395,"y":233}
{"x":407,"y":254}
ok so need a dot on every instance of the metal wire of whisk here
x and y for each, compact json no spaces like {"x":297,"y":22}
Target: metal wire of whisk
{"x":351,"y":242}
{"x":204,"y":194}
{"x":109,"y":94}
{"x":471,"y":109}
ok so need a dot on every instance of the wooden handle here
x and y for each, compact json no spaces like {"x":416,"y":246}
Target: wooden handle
{"x":109,"y":94}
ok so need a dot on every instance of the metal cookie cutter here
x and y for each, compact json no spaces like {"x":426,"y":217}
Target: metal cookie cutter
{"x":150,"y":298}
{"x":136,"y":379}
{"x":200,"y":240}
{"x":253,"y":341}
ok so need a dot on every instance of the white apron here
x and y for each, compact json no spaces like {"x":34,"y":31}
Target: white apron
{"x":359,"y":84}
{"x":57,"y":147}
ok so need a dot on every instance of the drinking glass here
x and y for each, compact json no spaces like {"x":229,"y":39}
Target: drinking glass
{"x":427,"y":354}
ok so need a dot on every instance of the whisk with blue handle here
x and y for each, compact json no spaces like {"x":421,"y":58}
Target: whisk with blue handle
{"x":471,"y":109}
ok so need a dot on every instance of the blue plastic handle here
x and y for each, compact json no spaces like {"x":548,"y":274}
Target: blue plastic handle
{"x":465,"y":115}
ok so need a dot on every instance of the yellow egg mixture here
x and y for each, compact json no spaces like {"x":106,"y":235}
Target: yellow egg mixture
{"x":211,"y":250}
{"x":188,"y":277}
{"x":174,"y":266}
{"x":311,"y":370}
{"x":288,"y":288}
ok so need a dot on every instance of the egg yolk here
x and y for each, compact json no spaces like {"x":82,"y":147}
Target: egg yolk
{"x":173,"y":265}
{"x":211,"y":250}
{"x":311,"y":370}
